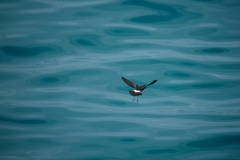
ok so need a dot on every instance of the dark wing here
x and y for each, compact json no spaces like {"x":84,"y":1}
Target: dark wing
{"x":152,"y":82}
{"x":131,"y":84}
{"x":142,"y":87}
{"x":145,"y":86}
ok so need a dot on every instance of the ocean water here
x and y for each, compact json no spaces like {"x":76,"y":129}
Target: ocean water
{"x":61,"y":92}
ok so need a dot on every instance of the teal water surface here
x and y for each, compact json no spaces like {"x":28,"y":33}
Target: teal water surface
{"x":61,"y":93}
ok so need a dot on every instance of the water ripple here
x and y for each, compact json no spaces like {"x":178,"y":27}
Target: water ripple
{"x":164,"y":13}
{"x":160,"y":151}
{"x":24,"y":121}
{"x":216,"y":141}
{"x":117,"y":31}
{"x":16,"y":51}
{"x":61,"y":87}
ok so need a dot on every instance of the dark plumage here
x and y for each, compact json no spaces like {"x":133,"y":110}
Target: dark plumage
{"x":138,"y":90}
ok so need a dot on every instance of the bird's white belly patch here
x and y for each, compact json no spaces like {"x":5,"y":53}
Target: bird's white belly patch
{"x":137,"y":91}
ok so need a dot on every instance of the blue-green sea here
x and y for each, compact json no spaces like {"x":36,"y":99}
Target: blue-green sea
{"x":61,"y":92}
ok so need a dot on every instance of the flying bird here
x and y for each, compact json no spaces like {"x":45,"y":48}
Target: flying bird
{"x":138,"y":90}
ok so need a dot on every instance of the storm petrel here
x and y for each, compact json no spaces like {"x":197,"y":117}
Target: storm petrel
{"x":138,"y":90}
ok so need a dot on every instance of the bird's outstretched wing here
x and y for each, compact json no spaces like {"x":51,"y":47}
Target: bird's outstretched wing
{"x":131,"y":84}
{"x":145,"y":86}
{"x":154,"y":81}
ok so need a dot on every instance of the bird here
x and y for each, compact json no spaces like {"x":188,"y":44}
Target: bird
{"x":138,"y":89}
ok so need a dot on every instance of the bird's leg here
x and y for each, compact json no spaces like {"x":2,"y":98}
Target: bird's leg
{"x":133,"y":99}
{"x":137,"y":99}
